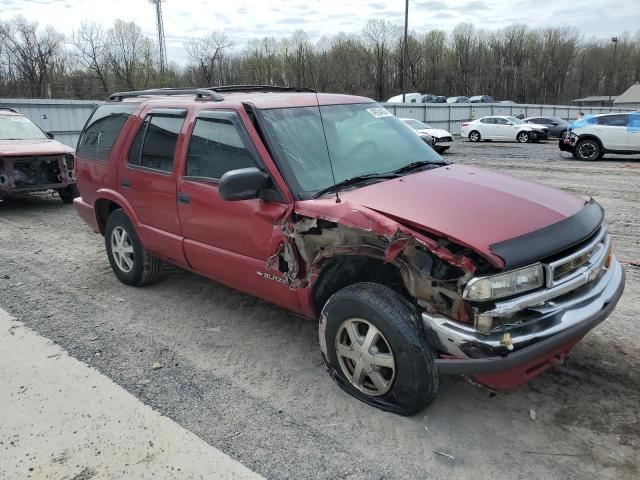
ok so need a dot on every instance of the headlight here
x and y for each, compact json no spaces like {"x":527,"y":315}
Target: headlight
{"x":505,"y":284}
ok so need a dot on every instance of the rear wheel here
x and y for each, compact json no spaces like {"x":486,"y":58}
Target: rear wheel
{"x":588,"y":150}
{"x":474,"y":136}
{"x":523,"y":137}
{"x":130,"y":261}
{"x":375,"y":350}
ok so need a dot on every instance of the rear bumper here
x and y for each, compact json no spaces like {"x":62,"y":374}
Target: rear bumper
{"x":539,"y":342}
{"x":87,"y":213}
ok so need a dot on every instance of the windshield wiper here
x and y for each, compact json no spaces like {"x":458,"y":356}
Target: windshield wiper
{"x":416,"y":165}
{"x":355,"y":180}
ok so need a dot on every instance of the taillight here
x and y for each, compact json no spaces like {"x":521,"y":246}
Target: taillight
{"x":465,"y":124}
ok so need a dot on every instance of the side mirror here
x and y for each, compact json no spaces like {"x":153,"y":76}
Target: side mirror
{"x":50,"y":135}
{"x":242,"y":184}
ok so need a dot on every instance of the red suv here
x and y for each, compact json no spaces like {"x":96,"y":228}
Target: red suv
{"x":31,"y":161}
{"x":331,"y":207}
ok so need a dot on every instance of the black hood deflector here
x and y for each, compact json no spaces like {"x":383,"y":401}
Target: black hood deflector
{"x":539,"y":244}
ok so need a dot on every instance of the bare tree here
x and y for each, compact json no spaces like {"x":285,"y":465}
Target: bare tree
{"x":207,"y":56}
{"x":91,"y":44}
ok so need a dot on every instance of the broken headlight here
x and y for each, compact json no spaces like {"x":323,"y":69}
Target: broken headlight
{"x":505,"y":284}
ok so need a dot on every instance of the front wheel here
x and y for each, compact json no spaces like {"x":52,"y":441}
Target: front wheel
{"x":67,"y":194}
{"x":523,"y":137}
{"x":588,"y":150}
{"x":374,"y":349}
{"x":130,"y":261}
{"x":441,"y":149}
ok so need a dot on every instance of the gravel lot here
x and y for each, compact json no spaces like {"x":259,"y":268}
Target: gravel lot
{"x":247,"y":377}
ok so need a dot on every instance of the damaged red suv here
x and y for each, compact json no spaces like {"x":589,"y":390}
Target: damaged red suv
{"x":31,"y":161}
{"x":329,"y":206}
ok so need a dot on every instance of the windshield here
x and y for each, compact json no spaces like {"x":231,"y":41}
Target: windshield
{"x":515,"y":120}
{"x":416,"y":124}
{"x":362,"y":139}
{"x":17,"y":127}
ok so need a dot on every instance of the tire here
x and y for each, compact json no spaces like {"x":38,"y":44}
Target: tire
{"x":442,"y":149}
{"x":408,"y":380}
{"x":588,"y":150}
{"x":474,"y":136}
{"x":523,"y":137}
{"x":138,"y":267}
{"x":68,"y":193}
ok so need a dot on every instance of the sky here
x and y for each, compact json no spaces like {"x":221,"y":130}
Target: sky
{"x":245,"y":19}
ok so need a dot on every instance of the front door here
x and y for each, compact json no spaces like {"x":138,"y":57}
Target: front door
{"x":229,"y":241}
{"x":147,"y":179}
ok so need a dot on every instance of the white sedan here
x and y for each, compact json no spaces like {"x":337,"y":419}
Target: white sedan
{"x":502,"y":128}
{"x":441,"y":139}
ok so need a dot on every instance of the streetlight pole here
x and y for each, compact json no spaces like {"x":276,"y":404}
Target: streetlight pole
{"x":613,"y":67}
{"x":404,"y":48}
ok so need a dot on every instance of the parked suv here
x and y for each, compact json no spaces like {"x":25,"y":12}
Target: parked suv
{"x":592,"y":137}
{"x":31,"y":161}
{"x":329,"y":206}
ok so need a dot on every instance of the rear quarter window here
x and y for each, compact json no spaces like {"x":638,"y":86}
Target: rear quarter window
{"x":613,"y":120}
{"x":102,"y":130}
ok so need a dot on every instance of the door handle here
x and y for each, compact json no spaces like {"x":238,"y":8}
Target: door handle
{"x":125,"y":183}
{"x":183,"y":197}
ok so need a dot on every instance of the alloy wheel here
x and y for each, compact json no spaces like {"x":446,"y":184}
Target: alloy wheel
{"x":365,"y":357}
{"x":587,"y":151}
{"x":523,"y":137}
{"x":122,"y":249}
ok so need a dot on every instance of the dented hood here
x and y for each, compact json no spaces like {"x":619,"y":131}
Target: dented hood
{"x":468,"y":205}
{"x":15,"y":148}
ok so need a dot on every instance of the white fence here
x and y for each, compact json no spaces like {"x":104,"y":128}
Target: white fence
{"x":451,"y":116}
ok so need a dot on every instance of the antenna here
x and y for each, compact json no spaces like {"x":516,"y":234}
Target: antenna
{"x":162,"y":46}
{"x":326,"y":144}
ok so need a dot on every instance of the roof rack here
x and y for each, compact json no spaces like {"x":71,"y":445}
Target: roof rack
{"x":259,"y":88}
{"x":200,"y":93}
{"x":11,"y":109}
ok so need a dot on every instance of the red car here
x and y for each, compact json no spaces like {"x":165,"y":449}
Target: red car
{"x":329,"y":206}
{"x":31,"y":161}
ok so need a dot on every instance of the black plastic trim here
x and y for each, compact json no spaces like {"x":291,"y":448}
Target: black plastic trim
{"x":539,"y":244}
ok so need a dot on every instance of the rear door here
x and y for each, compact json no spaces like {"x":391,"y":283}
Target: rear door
{"x":612,"y":131}
{"x":147,"y":179}
{"x":633,"y":127}
{"x":229,"y":241}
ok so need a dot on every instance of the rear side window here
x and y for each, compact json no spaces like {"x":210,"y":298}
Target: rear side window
{"x":613,"y":120}
{"x":216,"y":147}
{"x":102,"y":130}
{"x":155,"y":143}
{"x":487,"y":120}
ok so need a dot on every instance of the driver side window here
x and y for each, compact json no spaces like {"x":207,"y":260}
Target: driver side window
{"x":215,"y":148}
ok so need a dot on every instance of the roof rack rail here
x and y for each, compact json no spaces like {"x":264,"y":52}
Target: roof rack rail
{"x":11,"y":109}
{"x":259,"y":88}
{"x":200,"y":93}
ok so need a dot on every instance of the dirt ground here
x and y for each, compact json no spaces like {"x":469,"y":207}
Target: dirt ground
{"x":247,"y":377}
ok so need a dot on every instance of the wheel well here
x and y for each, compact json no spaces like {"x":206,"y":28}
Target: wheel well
{"x":344,"y":270}
{"x":104,"y":208}
{"x":590,"y":137}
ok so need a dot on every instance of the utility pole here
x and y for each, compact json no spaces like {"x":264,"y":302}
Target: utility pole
{"x":162,"y":46}
{"x":613,"y":67}
{"x":404,"y":49}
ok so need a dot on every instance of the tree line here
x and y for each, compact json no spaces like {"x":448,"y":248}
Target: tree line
{"x":549,"y":65}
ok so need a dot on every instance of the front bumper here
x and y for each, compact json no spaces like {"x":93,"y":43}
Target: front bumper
{"x":546,"y":334}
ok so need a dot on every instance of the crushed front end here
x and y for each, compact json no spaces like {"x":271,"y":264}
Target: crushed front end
{"x":515,"y":338}
{"x":35,"y":173}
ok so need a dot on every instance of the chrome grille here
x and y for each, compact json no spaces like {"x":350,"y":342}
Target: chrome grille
{"x":563,"y":269}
